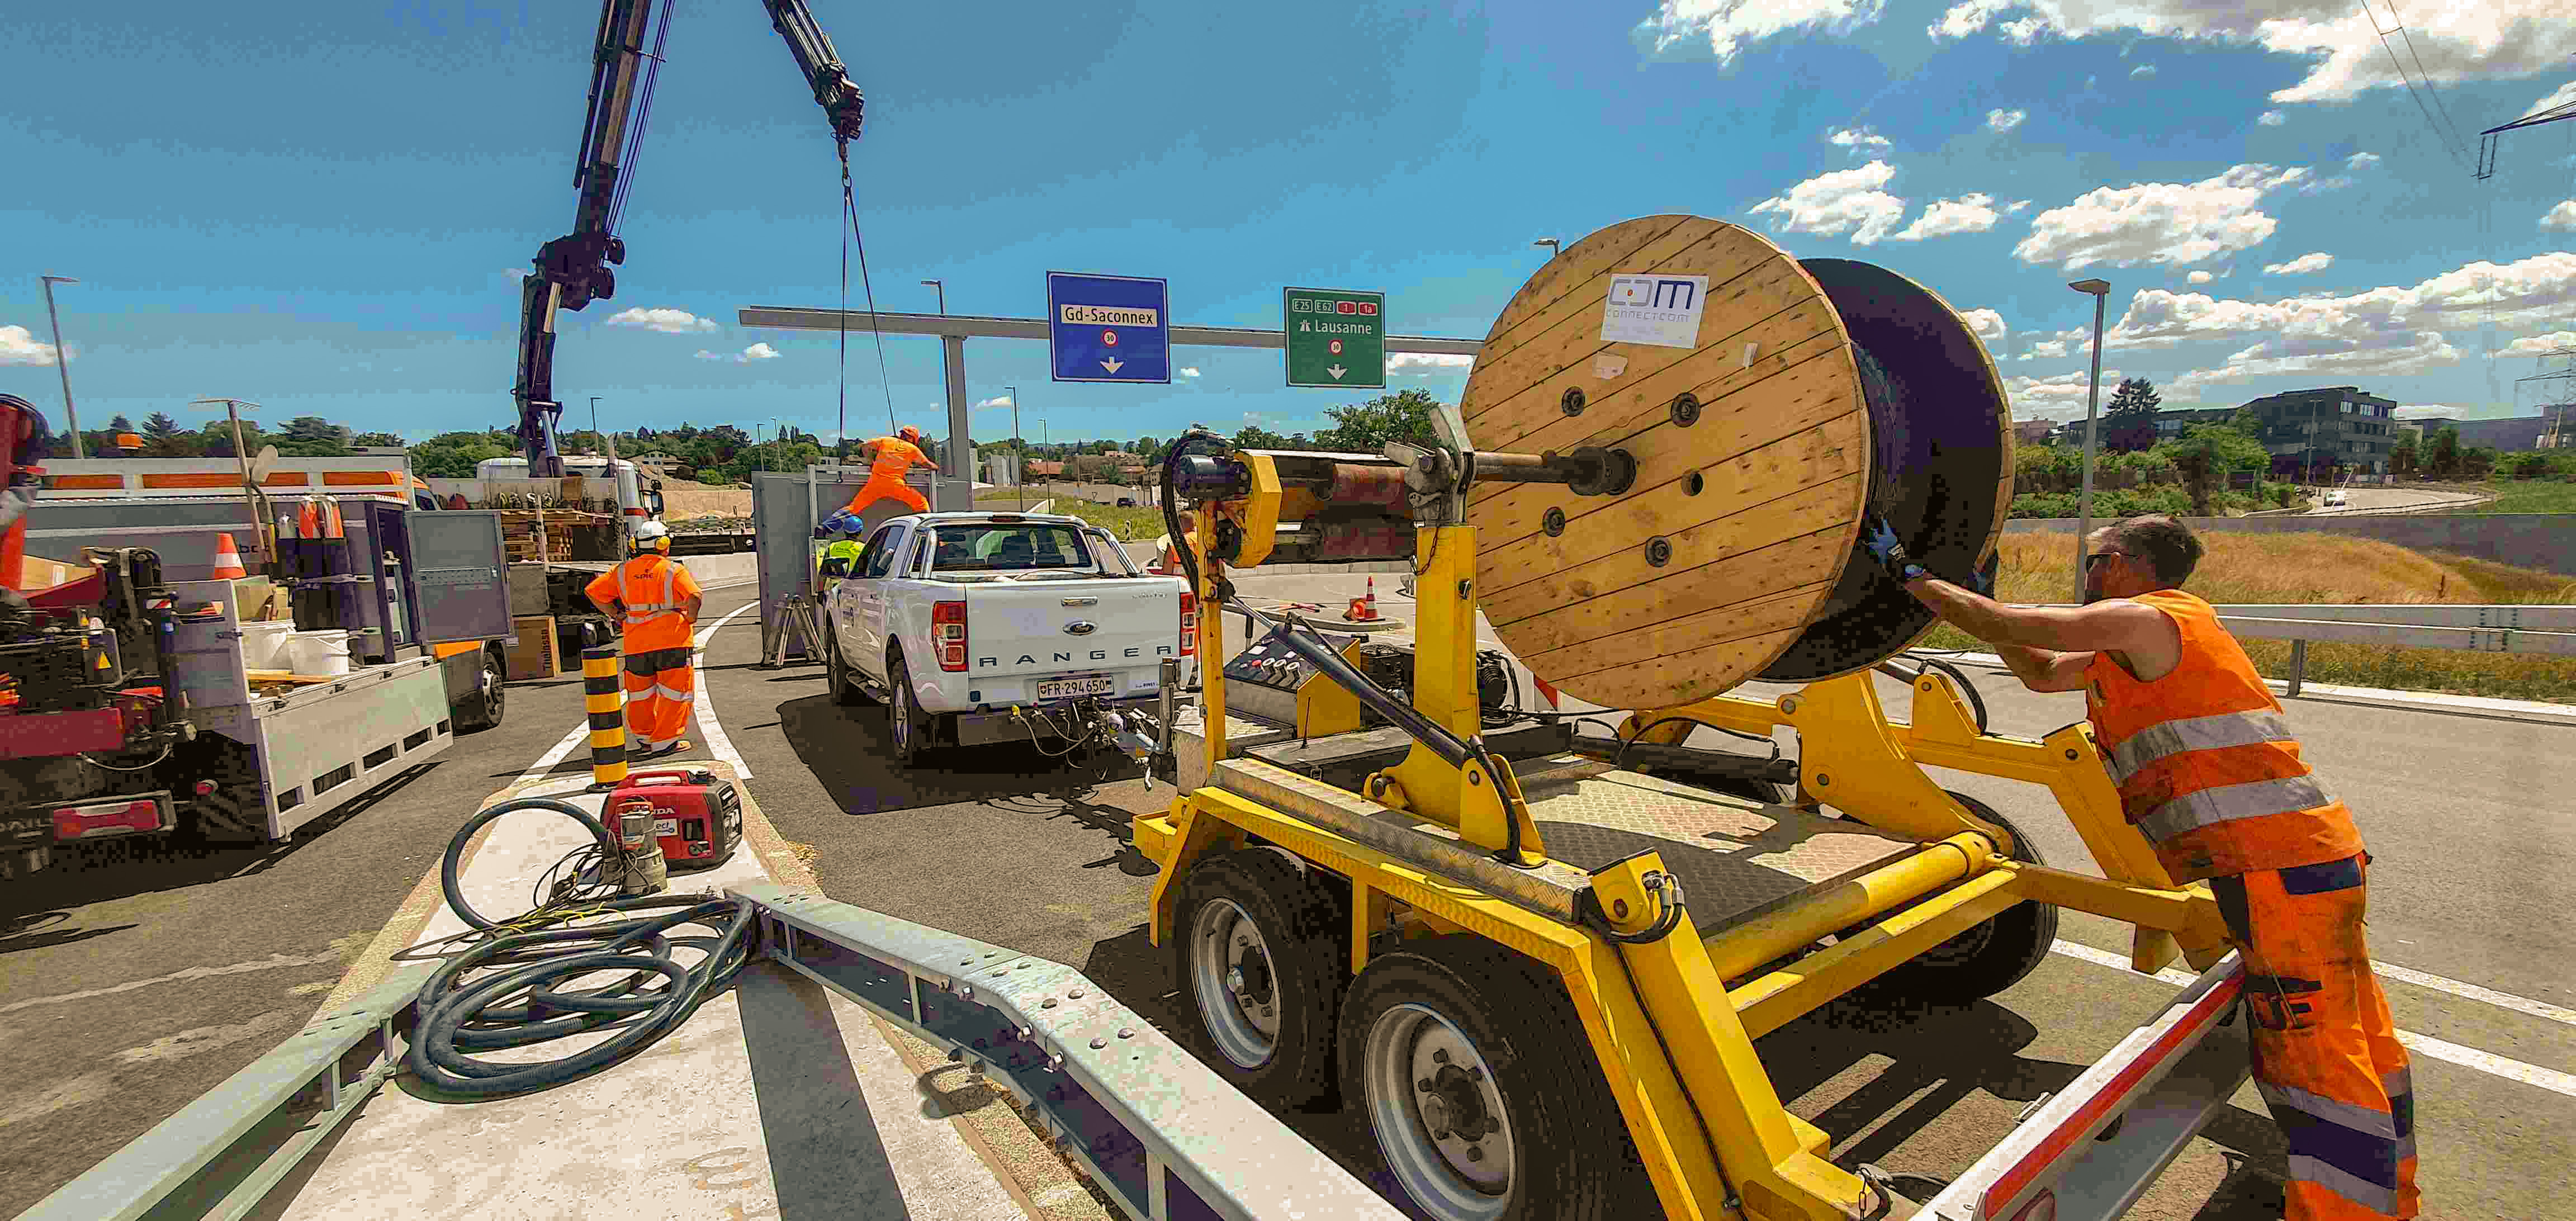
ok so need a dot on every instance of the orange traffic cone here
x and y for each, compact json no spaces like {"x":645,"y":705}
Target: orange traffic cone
{"x":331,"y":518}
{"x":1546,"y":692}
{"x":308,"y":520}
{"x":228,"y":559}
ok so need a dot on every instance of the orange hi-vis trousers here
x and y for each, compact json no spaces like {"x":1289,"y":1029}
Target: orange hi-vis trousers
{"x":2326,"y":1055}
{"x":660,"y":690}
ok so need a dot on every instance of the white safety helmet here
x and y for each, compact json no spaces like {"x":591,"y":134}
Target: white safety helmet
{"x":652,"y":536}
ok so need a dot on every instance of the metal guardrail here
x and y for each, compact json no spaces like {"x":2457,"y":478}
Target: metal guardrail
{"x":2523,"y":628}
{"x":1157,"y":1131}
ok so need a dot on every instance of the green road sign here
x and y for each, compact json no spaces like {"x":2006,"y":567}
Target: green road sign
{"x":1336,"y":338}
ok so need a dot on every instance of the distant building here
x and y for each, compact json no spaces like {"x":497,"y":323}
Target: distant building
{"x":2032,"y":432}
{"x":2329,"y":428}
{"x":1041,"y":468}
{"x":2505,"y":436}
{"x":658,"y":465}
{"x":2170,"y":424}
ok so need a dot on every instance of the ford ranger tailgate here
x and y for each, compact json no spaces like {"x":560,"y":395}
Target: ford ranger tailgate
{"x":1111,"y":631}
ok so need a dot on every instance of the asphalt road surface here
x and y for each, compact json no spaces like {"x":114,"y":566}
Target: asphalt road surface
{"x":2391,"y":500}
{"x":129,"y":993}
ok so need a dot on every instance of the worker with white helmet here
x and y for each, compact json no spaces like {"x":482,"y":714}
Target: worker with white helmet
{"x":889,"y":460}
{"x":659,"y":601}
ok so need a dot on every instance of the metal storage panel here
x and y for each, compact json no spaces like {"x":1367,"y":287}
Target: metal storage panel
{"x":456,"y":569}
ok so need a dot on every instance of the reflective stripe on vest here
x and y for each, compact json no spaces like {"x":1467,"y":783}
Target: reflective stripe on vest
{"x":639,"y":610}
{"x":2168,"y":738}
{"x":2228,"y":802}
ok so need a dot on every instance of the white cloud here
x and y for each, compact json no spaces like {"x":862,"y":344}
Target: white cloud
{"x":668,"y":321}
{"x":1988,"y":325}
{"x":2200,"y":277}
{"x":1427,"y":364}
{"x":2554,"y":343}
{"x":2143,"y":70}
{"x":2313,"y":186}
{"x":2339,"y":49}
{"x":2559,"y":97}
{"x":1728,"y":26}
{"x":1189,"y":372}
{"x":1970,"y":213}
{"x":2057,"y":397}
{"x":2158,"y":222}
{"x":1857,"y":139}
{"x":2302,"y":265}
{"x":2360,"y":161}
{"x":998,"y":400}
{"x":18,"y":346}
{"x":2005,"y":120}
{"x":2272,"y":118}
{"x":757,"y":351}
{"x":2017,"y":207}
{"x":1840,"y":201}
{"x":517,"y":273}
{"x":2561,"y":217}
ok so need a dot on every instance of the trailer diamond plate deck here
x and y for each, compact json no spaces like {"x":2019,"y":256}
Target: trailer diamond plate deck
{"x":1736,"y":858}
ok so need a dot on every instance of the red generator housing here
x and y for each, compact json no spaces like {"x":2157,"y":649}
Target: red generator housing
{"x":697,"y":815}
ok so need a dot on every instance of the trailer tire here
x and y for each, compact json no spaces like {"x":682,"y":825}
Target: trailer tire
{"x":1989,"y":957}
{"x":1295,"y":959}
{"x":1513,"y":1061}
{"x":483,"y":707}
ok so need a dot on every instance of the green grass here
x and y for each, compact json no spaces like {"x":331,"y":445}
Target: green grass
{"x":2527,"y":496}
{"x":1126,"y":525}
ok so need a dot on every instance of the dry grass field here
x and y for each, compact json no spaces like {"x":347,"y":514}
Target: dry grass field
{"x":2317,"y":568}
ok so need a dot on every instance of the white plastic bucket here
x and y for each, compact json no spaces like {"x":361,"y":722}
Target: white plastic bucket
{"x":318,"y":652}
{"x":264,"y":643}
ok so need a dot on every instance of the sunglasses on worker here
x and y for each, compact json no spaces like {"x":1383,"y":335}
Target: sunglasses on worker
{"x":2095,"y":560}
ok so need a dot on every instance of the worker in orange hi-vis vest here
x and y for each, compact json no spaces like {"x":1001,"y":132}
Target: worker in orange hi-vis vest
{"x":889,"y":460}
{"x":2206,"y":767}
{"x":659,"y":602}
{"x":1169,"y":563}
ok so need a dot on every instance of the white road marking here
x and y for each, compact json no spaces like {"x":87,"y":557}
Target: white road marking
{"x":546,"y":762}
{"x":717,"y":743}
{"x":270,"y":963}
{"x":2425,"y":1045}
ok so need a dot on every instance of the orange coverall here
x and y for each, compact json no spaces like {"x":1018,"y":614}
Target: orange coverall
{"x":2206,"y":767}
{"x":655,"y":594}
{"x":895,"y":458}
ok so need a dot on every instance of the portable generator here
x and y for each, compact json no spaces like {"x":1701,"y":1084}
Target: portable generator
{"x":697,"y":816}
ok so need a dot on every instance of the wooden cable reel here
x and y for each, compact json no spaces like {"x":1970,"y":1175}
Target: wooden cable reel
{"x":1820,"y":393}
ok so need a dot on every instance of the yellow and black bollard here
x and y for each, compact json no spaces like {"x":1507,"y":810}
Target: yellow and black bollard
{"x":603,"y":695}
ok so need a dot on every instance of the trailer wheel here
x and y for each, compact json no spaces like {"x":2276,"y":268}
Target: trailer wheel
{"x":482,"y":707}
{"x":1989,"y":957}
{"x":1478,"y":1081}
{"x":1258,"y":958}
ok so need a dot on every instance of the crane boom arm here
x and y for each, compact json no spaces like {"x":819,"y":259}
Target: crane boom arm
{"x":572,"y":271}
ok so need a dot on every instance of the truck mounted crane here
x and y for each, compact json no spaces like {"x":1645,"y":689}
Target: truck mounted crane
{"x":574,"y":270}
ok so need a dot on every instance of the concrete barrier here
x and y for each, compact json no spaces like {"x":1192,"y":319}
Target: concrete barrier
{"x":2545,"y":541}
{"x":721,"y":569}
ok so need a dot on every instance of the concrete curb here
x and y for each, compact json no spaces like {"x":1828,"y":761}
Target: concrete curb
{"x":2418,"y":701}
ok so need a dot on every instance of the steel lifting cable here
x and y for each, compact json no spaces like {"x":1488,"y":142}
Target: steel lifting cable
{"x":850,"y":212}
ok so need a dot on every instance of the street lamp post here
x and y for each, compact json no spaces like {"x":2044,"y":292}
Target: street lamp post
{"x":1019,"y":452}
{"x":1553,"y":247}
{"x":62,"y":362}
{"x":2100,"y":291}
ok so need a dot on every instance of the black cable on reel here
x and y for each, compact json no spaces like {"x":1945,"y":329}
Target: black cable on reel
{"x":456,"y":1018}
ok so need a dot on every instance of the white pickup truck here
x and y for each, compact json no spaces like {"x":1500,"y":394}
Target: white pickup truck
{"x":979,"y":627}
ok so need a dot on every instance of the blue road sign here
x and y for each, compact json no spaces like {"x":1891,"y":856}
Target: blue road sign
{"x":1109,"y":328}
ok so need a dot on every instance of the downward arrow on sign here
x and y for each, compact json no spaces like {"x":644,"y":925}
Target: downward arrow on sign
{"x":1337,"y":371}
{"x":1112,"y":364}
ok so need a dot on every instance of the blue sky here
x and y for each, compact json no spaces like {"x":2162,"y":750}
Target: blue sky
{"x":319,"y":207}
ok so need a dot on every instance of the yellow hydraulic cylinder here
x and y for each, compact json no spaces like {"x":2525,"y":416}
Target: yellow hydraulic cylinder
{"x":1781,"y":997}
{"x":1816,"y":913}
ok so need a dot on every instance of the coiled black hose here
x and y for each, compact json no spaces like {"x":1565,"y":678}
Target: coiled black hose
{"x":456,"y":1017}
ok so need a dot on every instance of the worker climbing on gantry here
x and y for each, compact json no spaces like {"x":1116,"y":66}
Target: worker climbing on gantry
{"x":889,"y":460}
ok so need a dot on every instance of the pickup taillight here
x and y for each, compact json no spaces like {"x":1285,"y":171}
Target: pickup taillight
{"x":1189,"y":624}
{"x":948,"y":634}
